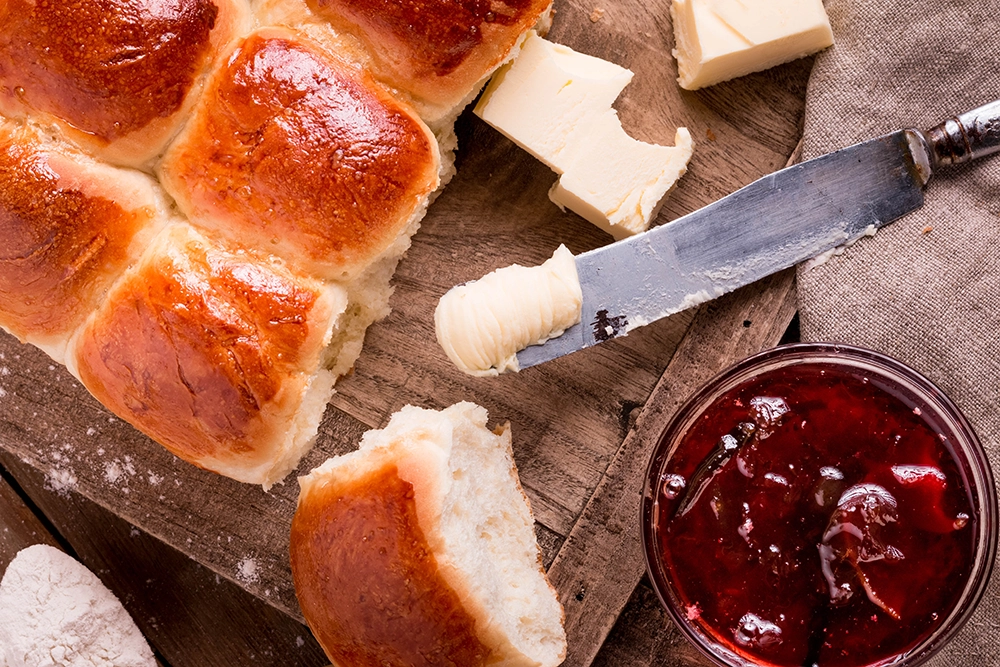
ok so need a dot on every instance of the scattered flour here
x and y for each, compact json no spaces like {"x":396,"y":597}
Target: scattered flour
{"x":54,"y":612}
{"x":118,"y":471}
{"x":246,"y":571}
{"x":61,"y":480}
{"x":113,"y":472}
{"x":3,"y":392}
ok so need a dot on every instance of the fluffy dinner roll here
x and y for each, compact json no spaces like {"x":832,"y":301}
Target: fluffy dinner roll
{"x":286,"y":133}
{"x":292,"y":150}
{"x":214,"y":354}
{"x":438,"y":52}
{"x":70,"y":225}
{"x":419,"y":549}
{"x":115,"y":76}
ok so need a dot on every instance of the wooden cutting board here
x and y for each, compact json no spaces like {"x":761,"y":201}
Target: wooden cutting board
{"x":582,"y":424}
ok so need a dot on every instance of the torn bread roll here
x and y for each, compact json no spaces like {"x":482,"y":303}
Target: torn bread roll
{"x":419,"y":549}
{"x":482,"y":325}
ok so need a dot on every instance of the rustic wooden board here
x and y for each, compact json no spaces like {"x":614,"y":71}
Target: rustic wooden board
{"x":569,"y":417}
{"x":20,"y":528}
{"x":189,"y":614}
{"x":601,"y":560}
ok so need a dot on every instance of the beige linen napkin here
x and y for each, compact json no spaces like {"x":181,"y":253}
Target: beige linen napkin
{"x":926,"y":289}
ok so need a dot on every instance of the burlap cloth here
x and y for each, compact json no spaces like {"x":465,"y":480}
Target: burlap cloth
{"x":928,"y":298}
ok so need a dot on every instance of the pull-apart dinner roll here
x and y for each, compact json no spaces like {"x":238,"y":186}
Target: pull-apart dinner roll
{"x":214,"y":354}
{"x":439,"y":52}
{"x":69,"y":227}
{"x":419,"y":550}
{"x":289,"y":135}
{"x":295,"y":151}
{"x":116,"y":76}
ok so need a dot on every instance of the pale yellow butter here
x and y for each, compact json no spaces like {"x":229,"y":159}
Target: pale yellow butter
{"x":482,"y":325}
{"x":555,"y":103}
{"x":718,"y":40}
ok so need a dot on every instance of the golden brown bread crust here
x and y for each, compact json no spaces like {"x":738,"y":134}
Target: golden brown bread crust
{"x":304,"y":155}
{"x":438,"y":50}
{"x":108,"y":69}
{"x":65,"y":236}
{"x":208,"y":352}
{"x":367,"y":580}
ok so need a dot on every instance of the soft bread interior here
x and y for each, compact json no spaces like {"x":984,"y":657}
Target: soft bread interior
{"x":474,"y":518}
{"x":478,"y":520}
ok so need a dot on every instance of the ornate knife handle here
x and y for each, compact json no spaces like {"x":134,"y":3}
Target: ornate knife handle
{"x":972,"y":135}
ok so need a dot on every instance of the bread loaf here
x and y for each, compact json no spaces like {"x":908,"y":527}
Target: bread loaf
{"x":216,"y":315}
{"x":419,"y":550}
{"x":214,"y":354}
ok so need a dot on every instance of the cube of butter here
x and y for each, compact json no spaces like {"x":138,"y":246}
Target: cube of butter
{"x":555,"y":103}
{"x":718,"y":40}
{"x":619,"y":183}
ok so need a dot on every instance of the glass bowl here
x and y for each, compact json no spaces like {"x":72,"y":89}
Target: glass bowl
{"x":681,"y":473}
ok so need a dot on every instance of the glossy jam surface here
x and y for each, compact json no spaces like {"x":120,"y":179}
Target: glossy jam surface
{"x":813,"y":515}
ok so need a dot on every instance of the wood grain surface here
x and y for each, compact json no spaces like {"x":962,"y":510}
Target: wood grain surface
{"x":163,"y":590}
{"x":570,"y":417}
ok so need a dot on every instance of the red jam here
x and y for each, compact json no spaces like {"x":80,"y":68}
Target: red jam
{"x":813,"y":515}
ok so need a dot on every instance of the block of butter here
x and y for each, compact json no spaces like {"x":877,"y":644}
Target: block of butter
{"x":555,"y":103}
{"x":718,"y":40}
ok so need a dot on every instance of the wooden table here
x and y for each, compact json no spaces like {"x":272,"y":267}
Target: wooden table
{"x":582,"y":425}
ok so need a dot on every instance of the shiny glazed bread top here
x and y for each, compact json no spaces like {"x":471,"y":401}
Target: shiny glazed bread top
{"x":114,"y":75}
{"x":293,"y":150}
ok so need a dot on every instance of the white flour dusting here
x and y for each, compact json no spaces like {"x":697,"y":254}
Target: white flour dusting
{"x":54,"y":612}
{"x":112,"y":472}
{"x":246,"y":571}
{"x":61,"y":480}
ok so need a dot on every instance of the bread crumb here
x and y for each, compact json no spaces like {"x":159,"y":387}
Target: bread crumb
{"x":597,"y":14}
{"x":709,"y":134}
{"x":927,"y":230}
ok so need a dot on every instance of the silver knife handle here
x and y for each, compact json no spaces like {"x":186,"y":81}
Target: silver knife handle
{"x":972,"y":135}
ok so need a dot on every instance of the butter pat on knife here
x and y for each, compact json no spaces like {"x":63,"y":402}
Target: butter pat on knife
{"x":555,"y":103}
{"x":718,"y":40}
{"x":482,"y":325}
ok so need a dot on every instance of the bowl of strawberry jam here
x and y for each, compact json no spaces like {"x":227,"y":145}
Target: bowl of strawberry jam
{"x":819,"y":505}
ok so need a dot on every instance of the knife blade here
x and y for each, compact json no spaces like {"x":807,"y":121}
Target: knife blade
{"x":774,"y":223}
